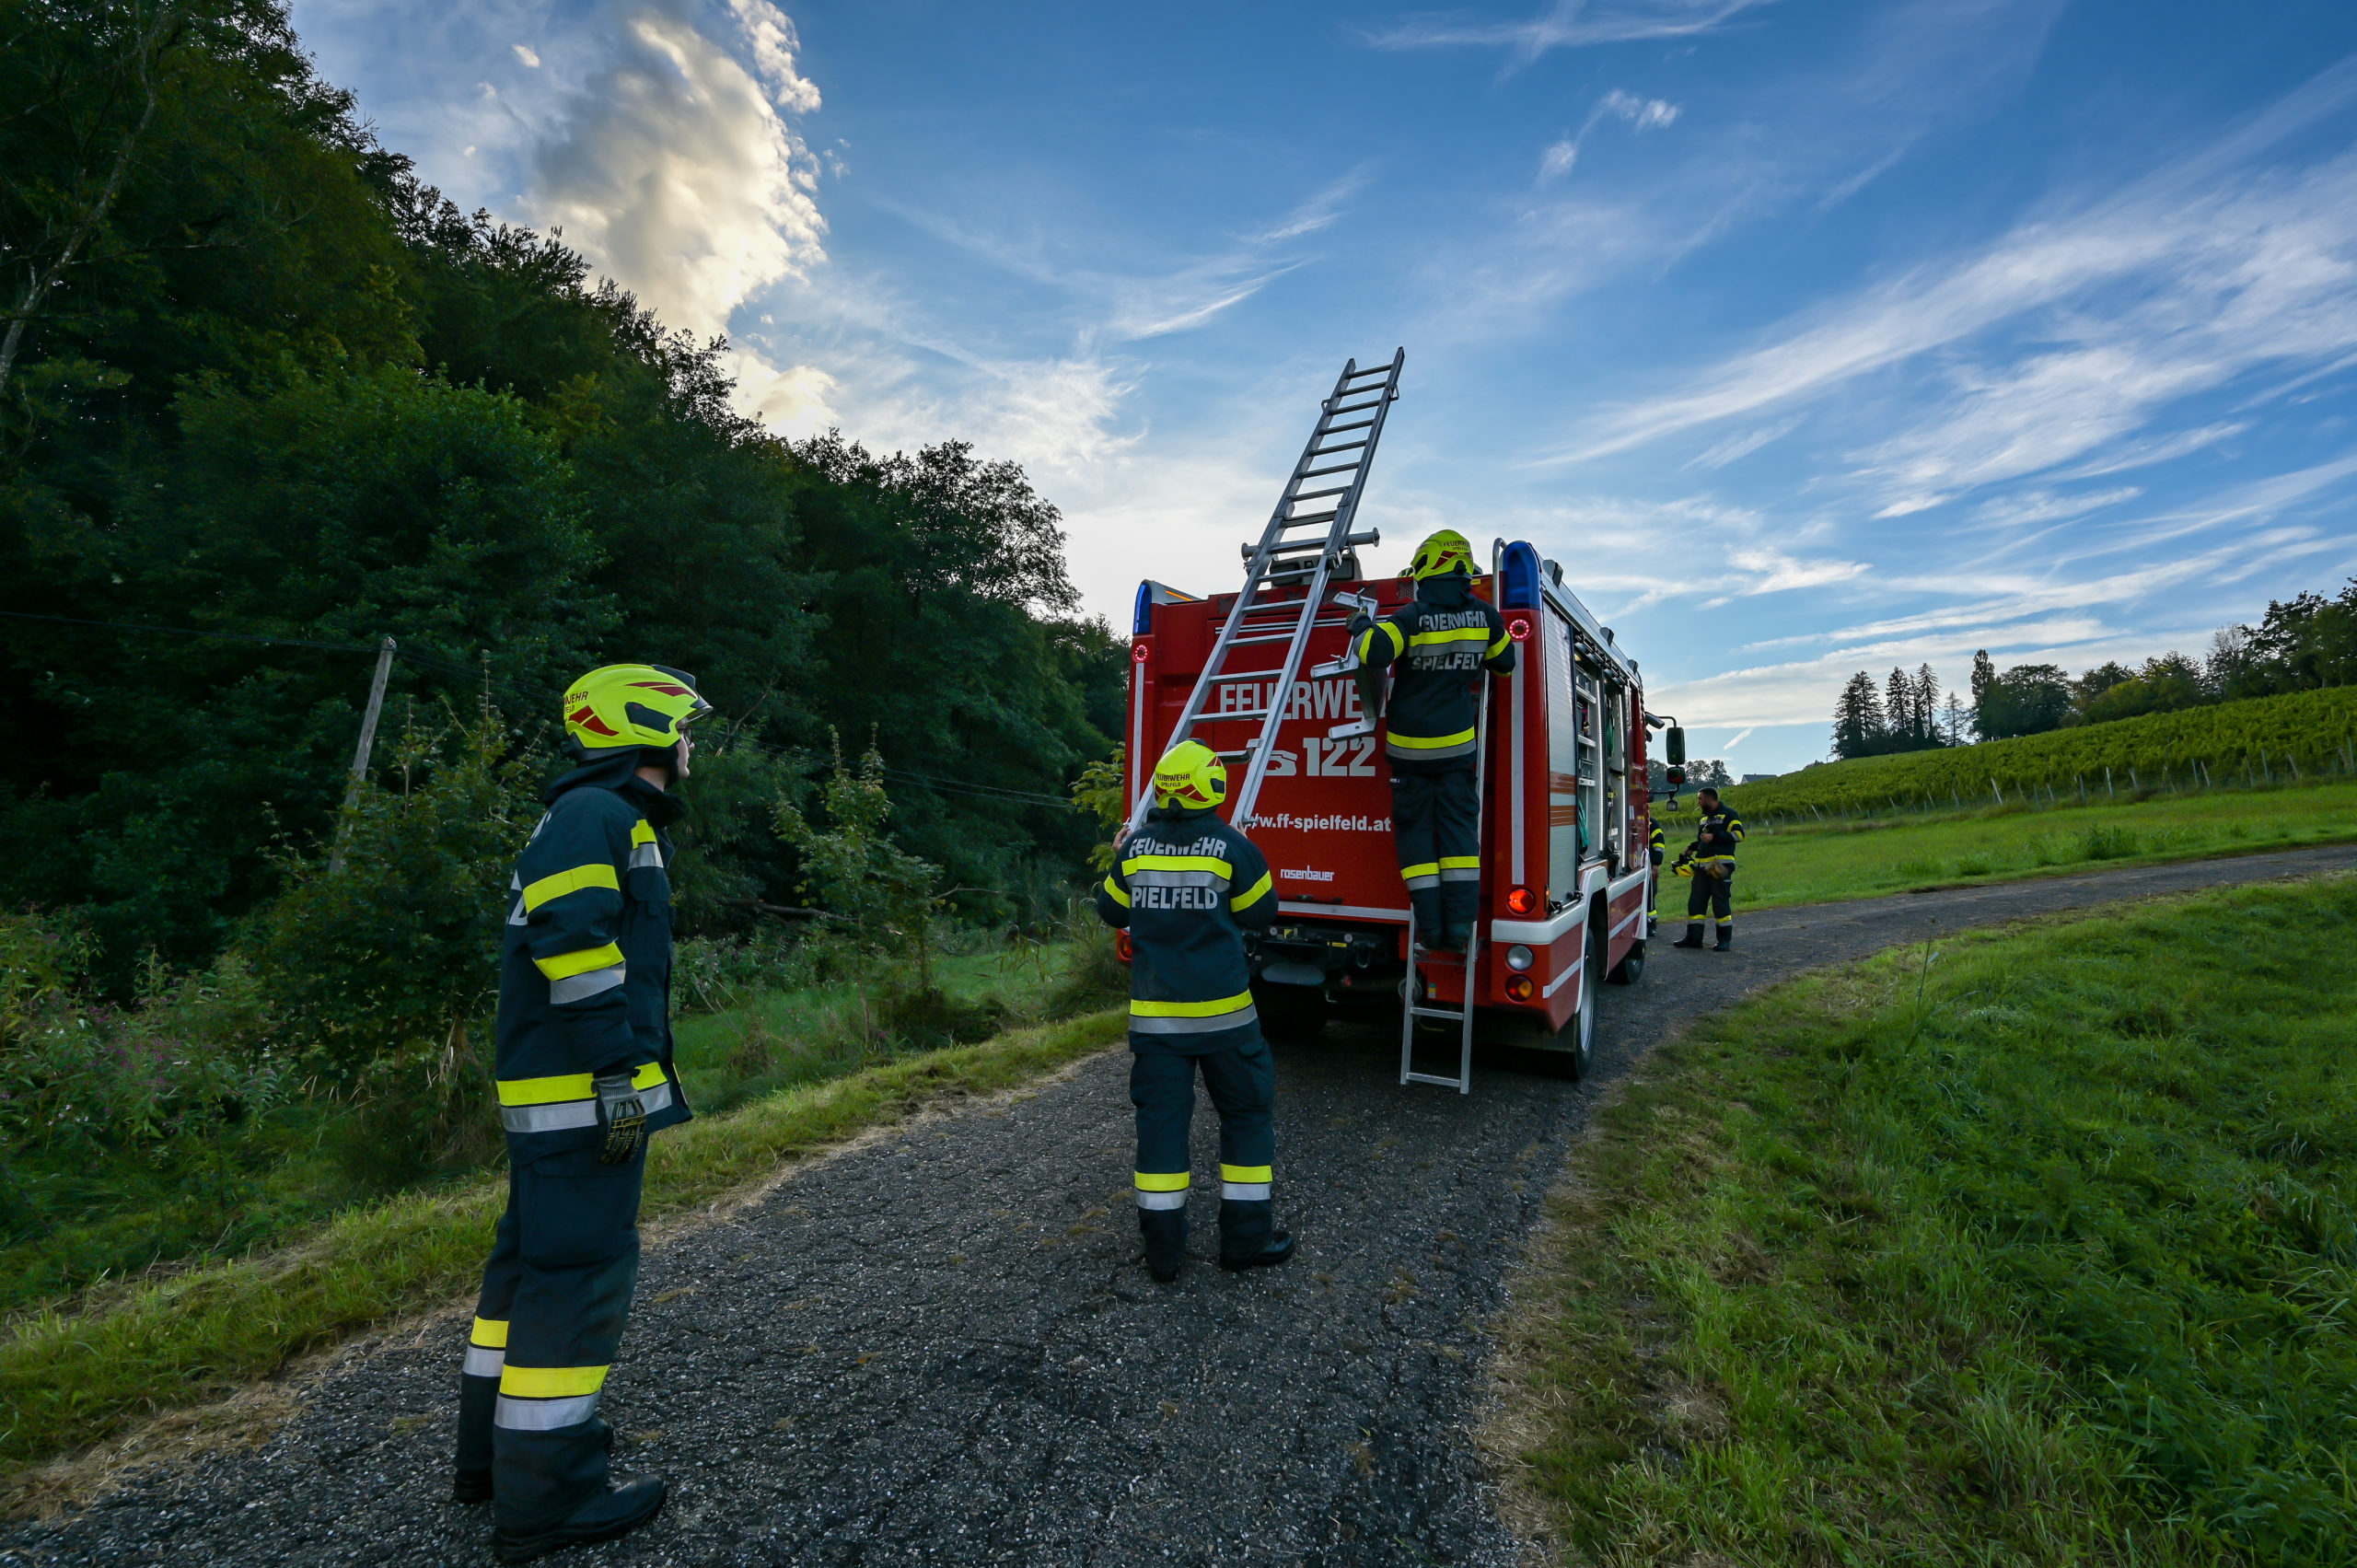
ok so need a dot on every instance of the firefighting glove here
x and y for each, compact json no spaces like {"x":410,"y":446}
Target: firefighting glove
{"x":623,"y":1115}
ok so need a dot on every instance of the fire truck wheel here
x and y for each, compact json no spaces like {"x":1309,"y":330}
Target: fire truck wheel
{"x":1290,"y":1015}
{"x":1577,"y":1040}
{"x":1632,"y":968}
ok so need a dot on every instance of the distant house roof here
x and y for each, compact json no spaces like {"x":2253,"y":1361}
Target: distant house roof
{"x":1755,"y":778}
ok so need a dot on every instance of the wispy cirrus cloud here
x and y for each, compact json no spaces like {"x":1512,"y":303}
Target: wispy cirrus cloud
{"x":1565,"y":24}
{"x":1642,"y":113}
{"x":2074,"y":330}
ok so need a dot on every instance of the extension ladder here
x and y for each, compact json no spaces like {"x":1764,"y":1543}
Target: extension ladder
{"x":1287,"y":553}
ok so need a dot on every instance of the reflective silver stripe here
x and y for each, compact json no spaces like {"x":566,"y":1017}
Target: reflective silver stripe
{"x":562,"y":1115}
{"x":557,"y":1118}
{"x":1411,"y":753}
{"x":1245,"y":1015}
{"x":1176,"y":879}
{"x":1246,"y":1191}
{"x":483,"y":1361}
{"x":1162,"y":1200}
{"x":543,"y":1415}
{"x":581,"y":987}
{"x":1461,"y":874}
{"x":1432,"y":881}
{"x":515,"y":915}
{"x":646,"y":854}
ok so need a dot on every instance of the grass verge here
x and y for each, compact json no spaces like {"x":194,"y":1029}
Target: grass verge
{"x":1812,"y":864}
{"x":2036,"y":1248}
{"x":69,"y":1379}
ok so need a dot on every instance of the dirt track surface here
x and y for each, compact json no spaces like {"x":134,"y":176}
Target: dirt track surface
{"x":938,"y":1348}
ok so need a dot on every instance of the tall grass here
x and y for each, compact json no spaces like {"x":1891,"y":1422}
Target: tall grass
{"x":2034,"y":1247}
{"x":69,"y":1378}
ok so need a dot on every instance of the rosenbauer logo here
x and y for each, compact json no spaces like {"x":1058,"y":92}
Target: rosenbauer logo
{"x":1292,"y":875}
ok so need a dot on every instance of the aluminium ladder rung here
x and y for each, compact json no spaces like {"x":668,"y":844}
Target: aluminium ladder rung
{"x":1257,"y":616}
{"x":1354,"y":408}
{"x":1454,"y":1015}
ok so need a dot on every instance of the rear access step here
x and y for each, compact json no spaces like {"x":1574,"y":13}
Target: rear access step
{"x":1289,"y":553}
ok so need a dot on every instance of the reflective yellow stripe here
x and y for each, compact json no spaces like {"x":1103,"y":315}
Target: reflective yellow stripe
{"x":1114,"y":889}
{"x":568,"y":1085}
{"x":1460,"y":862}
{"x":491,"y":1333}
{"x":1190,"y":1009}
{"x":1251,"y":895}
{"x":1501,"y":644}
{"x":1148,"y":1182}
{"x":1430,"y":742}
{"x":564,"y":965}
{"x":564,"y":882}
{"x":1245,"y":1173}
{"x":1424,"y":868}
{"x":1177,"y":863}
{"x":640,"y":833}
{"x":1462,"y":634}
{"x":550,"y":1382}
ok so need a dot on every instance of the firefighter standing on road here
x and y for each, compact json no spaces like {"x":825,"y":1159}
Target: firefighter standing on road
{"x":1656,"y":846}
{"x":585,"y":1079}
{"x":1710,"y":860}
{"x":1186,"y":887}
{"x":1441,"y":641}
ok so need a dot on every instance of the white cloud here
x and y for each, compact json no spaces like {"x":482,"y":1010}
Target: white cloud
{"x":525,"y":54}
{"x":1558,"y":159}
{"x":2047,"y":506}
{"x":769,"y":32}
{"x":1743,"y":445}
{"x":1644,"y":113}
{"x":674,"y":171}
{"x":2072,"y":332}
{"x":1569,"y":24}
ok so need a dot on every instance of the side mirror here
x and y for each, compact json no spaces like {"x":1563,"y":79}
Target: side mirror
{"x":1677,"y":753}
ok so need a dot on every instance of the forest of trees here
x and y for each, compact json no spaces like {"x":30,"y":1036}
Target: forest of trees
{"x":2301,"y":644}
{"x":259,"y":383}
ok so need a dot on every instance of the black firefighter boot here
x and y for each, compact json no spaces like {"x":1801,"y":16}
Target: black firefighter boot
{"x":1249,"y":1236}
{"x":1693,"y":938}
{"x":1726,"y":937}
{"x":1165,"y":1231}
{"x":631,"y":1501}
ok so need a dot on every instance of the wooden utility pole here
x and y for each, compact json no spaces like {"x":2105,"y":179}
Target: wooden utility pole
{"x":360,"y":753}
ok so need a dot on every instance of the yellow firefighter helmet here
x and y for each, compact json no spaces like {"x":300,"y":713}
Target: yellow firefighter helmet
{"x":631,"y":705}
{"x":1444,"y":552}
{"x":1189,"y":775}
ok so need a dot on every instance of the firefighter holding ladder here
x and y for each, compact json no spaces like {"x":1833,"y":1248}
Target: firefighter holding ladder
{"x":1437,"y":645}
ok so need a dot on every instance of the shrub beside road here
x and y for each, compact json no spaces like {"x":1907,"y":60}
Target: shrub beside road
{"x":2036,"y":1246}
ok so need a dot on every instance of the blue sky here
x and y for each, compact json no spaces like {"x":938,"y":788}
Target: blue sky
{"x":1810,"y":337}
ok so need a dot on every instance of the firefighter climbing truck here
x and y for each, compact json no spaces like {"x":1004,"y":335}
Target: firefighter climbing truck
{"x":1264,"y":677}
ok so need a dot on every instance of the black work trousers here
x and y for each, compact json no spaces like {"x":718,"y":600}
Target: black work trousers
{"x":1242,"y":1082}
{"x":1711,"y":895}
{"x":555,"y":1294}
{"x":1435,"y":828}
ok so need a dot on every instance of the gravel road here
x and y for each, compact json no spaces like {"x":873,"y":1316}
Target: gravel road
{"x":938,"y":1348}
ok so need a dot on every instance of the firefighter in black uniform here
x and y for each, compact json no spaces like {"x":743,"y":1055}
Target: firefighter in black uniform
{"x":1710,"y":860}
{"x":1187,"y":886}
{"x":1655,"y":847}
{"x":584,"y":1079}
{"x":1440,"y":641}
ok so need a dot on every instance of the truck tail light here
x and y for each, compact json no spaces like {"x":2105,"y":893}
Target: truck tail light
{"x":1522,"y":900}
{"x":1121,"y":949}
{"x":1520,"y":988}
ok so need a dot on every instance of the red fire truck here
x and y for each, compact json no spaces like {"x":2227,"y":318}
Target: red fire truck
{"x":1263,"y":676}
